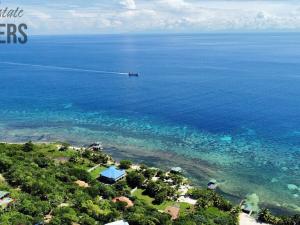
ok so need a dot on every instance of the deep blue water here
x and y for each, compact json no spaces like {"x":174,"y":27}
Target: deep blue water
{"x":229,"y":100}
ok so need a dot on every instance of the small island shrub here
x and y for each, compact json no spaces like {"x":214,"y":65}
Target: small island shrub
{"x":125,"y":164}
{"x":135,"y":179}
{"x":28,"y":147}
{"x":160,"y":197}
{"x":64,"y":147}
{"x":149,"y":173}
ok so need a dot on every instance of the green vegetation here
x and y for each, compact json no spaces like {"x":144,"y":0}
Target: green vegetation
{"x":64,"y":147}
{"x":125,"y":164}
{"x":135,"y":179}
{"x":28,"y":147}
{"x":209,"y":198}
{"x":55,"y":183}
{"x":145,"y":198}
{"x":184,"y":207}
{"x":96,"y":172}
{"x":209,"y":216}
{"x":265,"y":216}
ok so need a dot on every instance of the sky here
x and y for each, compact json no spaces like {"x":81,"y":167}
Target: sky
{"x":156,"y":16}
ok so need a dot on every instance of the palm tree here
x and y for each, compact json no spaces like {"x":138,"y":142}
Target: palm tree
{"x":265,"y":216}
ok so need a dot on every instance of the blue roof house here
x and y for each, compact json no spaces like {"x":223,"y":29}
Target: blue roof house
{"x":112,"y":174}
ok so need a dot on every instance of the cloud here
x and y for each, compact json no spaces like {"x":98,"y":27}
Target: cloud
{"x":175,"y":4}
{"x":128,"y":4}
{"x":115,"y":16}
{"x":39,"y":15}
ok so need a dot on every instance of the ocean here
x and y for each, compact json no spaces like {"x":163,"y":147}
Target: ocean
{"x":221,"y":106}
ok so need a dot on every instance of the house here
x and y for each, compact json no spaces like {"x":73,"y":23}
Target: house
{"x":247,"y":208}
{"x":173,"y":211}
{"x":5,"y":200}
{"x":119,"y":222}
{"x":176,"y":170}
{"x":112,"y":175}
{"x":212,"y":186}
{"x":125,"y":200}
{"x":97,"y":146}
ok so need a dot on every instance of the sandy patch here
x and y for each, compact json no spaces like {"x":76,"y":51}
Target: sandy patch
{"x":248,"y":220}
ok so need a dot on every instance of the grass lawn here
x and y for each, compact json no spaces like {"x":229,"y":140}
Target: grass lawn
{"x":52,"y":151}
{"x":139,"y":194}
{"x":165,"y":204}
{"x":184,"y":207}
{"x":96,"y":172}
{"x":130,"y":170}
{"x":83,"y":166}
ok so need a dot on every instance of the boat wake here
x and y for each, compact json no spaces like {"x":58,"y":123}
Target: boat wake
{"x":65,"y":68}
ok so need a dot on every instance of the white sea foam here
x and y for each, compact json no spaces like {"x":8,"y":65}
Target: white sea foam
{"x":65,"y":68}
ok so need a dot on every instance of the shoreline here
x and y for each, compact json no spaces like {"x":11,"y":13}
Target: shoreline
{"x":205,"y":156}
{"x":155,"y":159}
{"x":86,"y":174}
{"x":186,"y":196}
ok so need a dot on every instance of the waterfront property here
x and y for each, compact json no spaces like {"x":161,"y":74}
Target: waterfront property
{"x":176,"y":170}
{"x":212,"y":186}
{"x":97,"y":146}
{"x":247,"y":208}
{"x":112,"y":175}
{"x":152,"y":199}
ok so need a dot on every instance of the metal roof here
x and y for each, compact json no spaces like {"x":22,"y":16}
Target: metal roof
{"x":112,"y":173}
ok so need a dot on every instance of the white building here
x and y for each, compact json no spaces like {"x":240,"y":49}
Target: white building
{"x":119,"y":222}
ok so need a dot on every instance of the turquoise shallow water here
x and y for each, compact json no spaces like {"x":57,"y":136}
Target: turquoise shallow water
{"x":221,"y":106}
{"x":240,"y":165}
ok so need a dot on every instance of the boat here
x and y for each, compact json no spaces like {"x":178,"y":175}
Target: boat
{"x":133,"y":74}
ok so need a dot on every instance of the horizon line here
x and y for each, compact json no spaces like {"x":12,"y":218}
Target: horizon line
{"x":170,"y":33}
